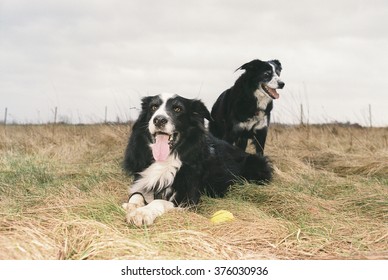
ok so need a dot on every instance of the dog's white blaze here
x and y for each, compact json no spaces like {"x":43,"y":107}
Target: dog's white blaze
{"x":274,"y":82}
{"x":260,"y":93}
{"x":158,"y":175}
{"x":169,"y":127}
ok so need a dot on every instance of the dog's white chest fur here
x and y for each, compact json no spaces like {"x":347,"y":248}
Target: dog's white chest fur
{"x":260,"y":120}
{"x":157,"y":177}
{"x":262,"y":99}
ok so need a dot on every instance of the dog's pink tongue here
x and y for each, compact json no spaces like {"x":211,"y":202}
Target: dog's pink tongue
{"x":161,"y":149}
{"x":274,"y":93}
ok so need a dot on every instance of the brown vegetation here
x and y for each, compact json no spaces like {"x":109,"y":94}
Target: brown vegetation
{"x":61,"y":189}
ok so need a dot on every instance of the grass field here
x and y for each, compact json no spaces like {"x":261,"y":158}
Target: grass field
{"x":61,"y":190}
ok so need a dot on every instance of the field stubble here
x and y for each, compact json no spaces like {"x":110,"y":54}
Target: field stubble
{"x":61,"y":190}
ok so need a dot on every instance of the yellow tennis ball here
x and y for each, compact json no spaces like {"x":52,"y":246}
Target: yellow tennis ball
{"x":222,"y":216}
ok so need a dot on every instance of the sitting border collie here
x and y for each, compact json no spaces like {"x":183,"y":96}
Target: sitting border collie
{"x":174,"y":159}
{"x":242,"y":112}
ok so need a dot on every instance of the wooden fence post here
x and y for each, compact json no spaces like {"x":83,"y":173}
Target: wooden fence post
{"x":55,"y":115}
{"x":5,"y":116}
{"x":55,"y":120}
{"x":301,"y":114}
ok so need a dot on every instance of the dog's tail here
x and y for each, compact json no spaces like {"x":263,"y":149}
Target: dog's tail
{"x":257,"y":168}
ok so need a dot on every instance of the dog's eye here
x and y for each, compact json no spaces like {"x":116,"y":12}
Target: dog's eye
{"x":267,"y":74}
{"x":154,"y":108}
{"x":177,"y":109}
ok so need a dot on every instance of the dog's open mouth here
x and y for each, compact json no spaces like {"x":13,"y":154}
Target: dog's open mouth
{"x":163,"y":144}
{"x":271,"y":91}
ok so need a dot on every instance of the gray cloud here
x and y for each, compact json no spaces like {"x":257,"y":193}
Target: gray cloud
{"x":84,"y":55}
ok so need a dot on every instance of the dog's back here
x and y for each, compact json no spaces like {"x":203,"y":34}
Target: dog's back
{"x":217,"y":125}
{"x":227,"y":164}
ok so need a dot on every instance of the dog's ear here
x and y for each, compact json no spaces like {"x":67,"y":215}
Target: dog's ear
{"x":200,"y":109}
{"x":145,"y":102}
{"x":250,"y":66}
{"x":276,"y":63}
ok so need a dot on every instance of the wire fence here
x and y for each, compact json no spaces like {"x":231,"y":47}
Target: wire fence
{"x":56,"y":117}
{"x":303,"y":116}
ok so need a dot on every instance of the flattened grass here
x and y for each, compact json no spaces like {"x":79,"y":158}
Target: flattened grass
{"x":61,"y":191}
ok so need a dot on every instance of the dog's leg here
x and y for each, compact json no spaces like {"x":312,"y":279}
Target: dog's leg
{"x":242,"y":143}
{"x":146,"y":215}
{"x":259,"y":138}
{"x":134,"y":202}
{"x":230,"y":138}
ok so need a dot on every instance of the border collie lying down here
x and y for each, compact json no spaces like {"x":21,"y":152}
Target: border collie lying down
{"x":174,"y":159}
{"x":242,"y":112}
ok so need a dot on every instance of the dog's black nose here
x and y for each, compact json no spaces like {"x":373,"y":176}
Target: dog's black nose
{"x":160,"y":121}
{"x":281,"y":84}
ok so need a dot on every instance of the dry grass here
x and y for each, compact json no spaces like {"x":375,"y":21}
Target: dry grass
{"x":61,"y":190}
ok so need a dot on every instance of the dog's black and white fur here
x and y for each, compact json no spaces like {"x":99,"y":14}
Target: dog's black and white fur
{"x":196,"y":162}
{"x":242,"y":112}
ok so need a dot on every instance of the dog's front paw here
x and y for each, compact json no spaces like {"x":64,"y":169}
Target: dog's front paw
{"x":135,"y":201}
{"x":130,"y":207}
{"x":146,"y":215}
{"x":141,"y":216}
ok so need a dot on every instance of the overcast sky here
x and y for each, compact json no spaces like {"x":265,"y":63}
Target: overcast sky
{"x":83,"y":55}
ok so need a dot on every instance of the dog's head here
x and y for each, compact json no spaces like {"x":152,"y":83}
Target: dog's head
{"x":170,"y":118}
{"x":266,"y":74}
